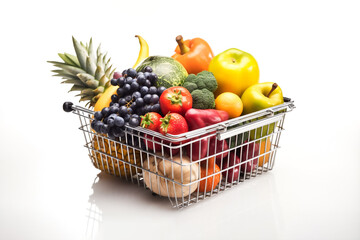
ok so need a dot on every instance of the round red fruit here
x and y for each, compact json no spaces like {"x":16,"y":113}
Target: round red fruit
{"x":173,"y":123}
{"x":175,"y":100}
{"x":151,"y":120}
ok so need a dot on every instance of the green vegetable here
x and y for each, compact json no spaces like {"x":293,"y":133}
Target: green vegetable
{"x":203,"y":99}
{"x":169,"y":71}
{"x":201,"y":87}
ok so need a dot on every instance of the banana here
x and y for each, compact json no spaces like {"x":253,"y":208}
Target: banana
{"x":144,"y":51}
{"x":105,"y":99}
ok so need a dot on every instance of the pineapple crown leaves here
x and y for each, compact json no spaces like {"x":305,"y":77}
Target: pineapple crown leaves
{"x":89,"y":71}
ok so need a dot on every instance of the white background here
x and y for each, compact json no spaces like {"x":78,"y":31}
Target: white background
{"x":310,"y":48}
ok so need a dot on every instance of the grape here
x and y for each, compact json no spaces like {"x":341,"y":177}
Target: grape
{"x":97,"y":125}
{"x":105,"y":120}
{"x":147,"y":74}
{"x":116,"y":105}
{"x":104,"y":128}
{"x":133,"y":106}
{"x":116,"y":131}
{"x":141,"y":79}
{"x":120,"y":92}
{"x":161,"y":90}
{"x":144,"y":90}
{"x":136,"y":95}
{"x":98,"y":115}
{"x":147,"y":98}
{"x":113,"y":109}
{"x":135,"y":116}
{"x":130,"y":110}
{"x":119,"y":121}
{"x":155,"y":108}
{"x":111,"y":103}
{"x":110,"y":122}
{"x":131,"y":72}
{"x":127,"y":117}
{"x":122,"y":101}
{"x":121,"y":81}
{"x":113,"y":82}
{"x":129,"y":80}
{"x":123,"y":110}
{"x":128,"y":98}
{"x":148,"y":69}
{"x":124,"y":72}
{"x":152,"y":90}
{"x":105,"y":112}
{"x":111,"y":133}
{"x":117,"y":75}
{"x":139,"y":102}
{"x":147,"y":83}
{"x":126,"y":87}
{"x":152,"y":77}
{"x":134,"y":86}
{"x":134,"y":122}
{"x":154,"y":98}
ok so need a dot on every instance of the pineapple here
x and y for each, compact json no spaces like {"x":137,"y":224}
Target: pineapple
{"x":89,"y":72}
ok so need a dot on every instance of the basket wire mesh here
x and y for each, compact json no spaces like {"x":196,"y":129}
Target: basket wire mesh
{"x":173,"y":166}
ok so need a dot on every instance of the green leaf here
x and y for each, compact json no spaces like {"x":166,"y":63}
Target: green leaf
{"x":85,"y":77}
{"x":76,"y":82}
{"x":76,"y":88}
{"x":99,"y":72}
{"x":92,"y":83}
{"x":90,"y":66}
{"x":81,"y":53}
{"x":69,"y":69}
{"x":73,"y":59}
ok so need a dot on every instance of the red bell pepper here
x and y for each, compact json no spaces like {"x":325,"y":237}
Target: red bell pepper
{"x":199,"y":118}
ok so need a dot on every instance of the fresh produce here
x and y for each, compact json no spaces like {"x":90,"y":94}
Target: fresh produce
{"x":198,"y":118}
{"x":194,"y":54}
{"x":144,"y":51}
{"x":107,"y":151}
{"x":151,"y":120}
{"x":88,"y":71}
{"x":230,"y":103}
{"x":173,"y":123}
{"x":261,"y":96}
{"x":265,"y":147}
{"x":209,"y":182}
{"x":175,"y":100}
{"x":249,"y":151}
{"x":169,"y":71}
{"x":234,"y":71}
{"x":201,"y":87}
{"x":258,"y":97}
{"x":232,"y":174}
{"x":181,"y":173}
{"x":135,"y":96}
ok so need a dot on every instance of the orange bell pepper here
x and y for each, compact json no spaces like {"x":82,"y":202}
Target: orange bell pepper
{"x":194,"y":54}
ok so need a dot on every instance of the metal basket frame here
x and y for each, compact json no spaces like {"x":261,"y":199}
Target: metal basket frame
{"x":235,"y":132}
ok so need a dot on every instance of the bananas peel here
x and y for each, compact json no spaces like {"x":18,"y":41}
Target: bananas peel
{"x":144,"y":51}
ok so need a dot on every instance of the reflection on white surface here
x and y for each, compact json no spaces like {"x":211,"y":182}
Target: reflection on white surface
{"x":117,"y":205}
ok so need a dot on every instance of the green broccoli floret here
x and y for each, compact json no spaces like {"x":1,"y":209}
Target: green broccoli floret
{"x":201,"y":87}
{"x":204,"y":79}
{"x":203,"y":99}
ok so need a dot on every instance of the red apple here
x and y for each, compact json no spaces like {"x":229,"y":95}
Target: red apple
{"x":232,"y":173}
{"x":249,"y":151}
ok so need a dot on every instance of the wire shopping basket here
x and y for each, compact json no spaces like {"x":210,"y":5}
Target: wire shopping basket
{"x":192,"y":166}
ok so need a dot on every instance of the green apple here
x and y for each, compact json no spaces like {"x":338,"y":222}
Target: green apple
{"x":234,"y":70}
{"x":258,"y":97}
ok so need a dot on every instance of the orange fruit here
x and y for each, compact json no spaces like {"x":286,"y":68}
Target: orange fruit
{"x":265,"y":147}
{"x":210,"y":182}
{"x":230,"y":103}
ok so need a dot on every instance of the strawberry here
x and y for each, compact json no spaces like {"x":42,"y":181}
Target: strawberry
{"x":151,"y":121}
{"x":173,"y":123}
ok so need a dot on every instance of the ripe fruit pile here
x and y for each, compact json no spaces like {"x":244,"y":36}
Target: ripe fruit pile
{"x":191,"y":90}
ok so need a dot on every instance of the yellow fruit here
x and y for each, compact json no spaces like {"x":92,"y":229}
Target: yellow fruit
{"x":105,"y":157}
{"x":144,"y":51}
{"x":265,"y":147}
{"x":105,"y":99}
{"x":229,"y":102}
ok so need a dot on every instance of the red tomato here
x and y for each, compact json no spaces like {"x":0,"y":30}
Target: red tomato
{"x":175,"y":100}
